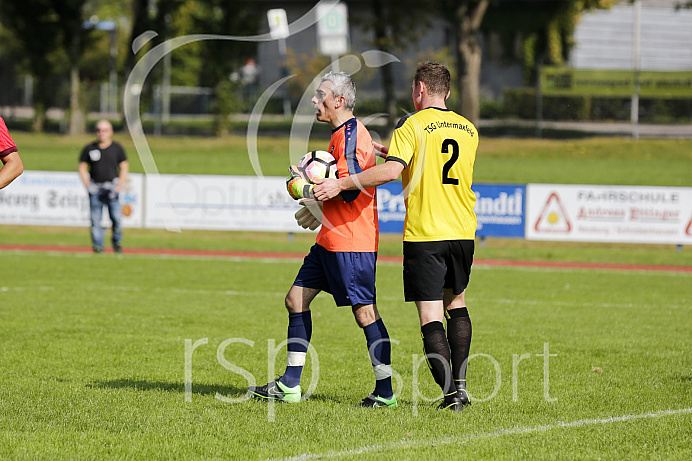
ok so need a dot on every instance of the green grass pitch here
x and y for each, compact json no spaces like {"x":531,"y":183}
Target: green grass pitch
{"x":568,"y":364}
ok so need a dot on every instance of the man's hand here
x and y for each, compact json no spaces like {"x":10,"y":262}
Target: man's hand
{"x":297,"y":186}
{"x":326,"y":189}
{"x":380,"y":149}
{"x":310,"y":216}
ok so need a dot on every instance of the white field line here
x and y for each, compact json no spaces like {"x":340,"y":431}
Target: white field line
{"x":135,"y":289}
{"x":533,"y":302}
{"x":273,"y":260}
{"x":491,"y":267}
{"x":461,"y":439}
{"x":471,"y":300}
{"x":174,"y":257}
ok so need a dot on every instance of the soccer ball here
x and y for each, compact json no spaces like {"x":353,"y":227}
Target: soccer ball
{"x":317,"y":164}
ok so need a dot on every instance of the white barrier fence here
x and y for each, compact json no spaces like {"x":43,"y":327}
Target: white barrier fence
{"x":58,"y":198}
{"x":219,"y":203}
{"x":586,"y":213}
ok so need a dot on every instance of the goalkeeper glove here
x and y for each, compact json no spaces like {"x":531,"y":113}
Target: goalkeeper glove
{"x":310,"y":215}
{"x":297,"y":186}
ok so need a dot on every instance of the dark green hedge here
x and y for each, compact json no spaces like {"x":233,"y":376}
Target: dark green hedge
{"x":521,"y":103}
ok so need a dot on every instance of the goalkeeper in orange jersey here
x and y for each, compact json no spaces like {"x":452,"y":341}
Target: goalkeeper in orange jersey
{"x":342,"y":261}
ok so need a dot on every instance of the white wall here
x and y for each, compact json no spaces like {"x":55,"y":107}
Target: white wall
{"x":605,"y":38}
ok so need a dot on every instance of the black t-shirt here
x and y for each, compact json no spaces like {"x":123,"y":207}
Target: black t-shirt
{"x":103,"y":163}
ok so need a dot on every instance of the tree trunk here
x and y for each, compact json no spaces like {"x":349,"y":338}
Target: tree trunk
{"x":39,"y":122}
{"x":381,"y":39}
{"x":140,"y":23}
{"x":77,"y":123}
{"x":469,"y":53}
{"x":389,"y":98}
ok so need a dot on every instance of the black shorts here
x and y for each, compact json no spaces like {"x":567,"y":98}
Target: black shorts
{"x":431,"y":266}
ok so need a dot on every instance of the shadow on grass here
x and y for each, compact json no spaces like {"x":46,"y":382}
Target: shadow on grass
{"x":197,"y":388}
{"x":229,"y":391}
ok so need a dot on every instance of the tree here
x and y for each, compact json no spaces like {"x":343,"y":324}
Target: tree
{"x":35,"y":26}
{"x":205,"y":62}
{"x":221,"y":57}
{"x":52,"y":39}
{"x":71,"y":15}
{"x":544,"y":27}
{"x":466,"y":17}
{"x":547,"y":27}
{"x":387,"y":21}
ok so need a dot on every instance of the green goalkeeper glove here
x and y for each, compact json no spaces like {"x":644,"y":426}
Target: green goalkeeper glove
{"x":297,"y":186}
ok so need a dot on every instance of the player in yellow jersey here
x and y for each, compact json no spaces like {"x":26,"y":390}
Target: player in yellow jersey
{"x":434,"y":150}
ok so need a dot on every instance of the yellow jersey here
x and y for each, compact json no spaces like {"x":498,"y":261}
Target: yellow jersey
{"x":438,"y":149}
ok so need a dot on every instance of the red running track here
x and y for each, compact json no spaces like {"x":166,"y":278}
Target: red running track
{"x":268,"y":255}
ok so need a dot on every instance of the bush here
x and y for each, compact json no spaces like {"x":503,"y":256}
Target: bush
{"x":491,"y":108}
{"x":521,"y":103}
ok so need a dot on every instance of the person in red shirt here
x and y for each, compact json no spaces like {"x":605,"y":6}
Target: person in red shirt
{"x":12,"y":165}
{"x":342,"y":261}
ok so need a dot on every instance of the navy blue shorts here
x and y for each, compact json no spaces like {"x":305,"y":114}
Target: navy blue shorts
{"x":348,"y":276}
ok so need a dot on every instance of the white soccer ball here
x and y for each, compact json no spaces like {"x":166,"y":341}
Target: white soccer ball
{"x":318,"y":164}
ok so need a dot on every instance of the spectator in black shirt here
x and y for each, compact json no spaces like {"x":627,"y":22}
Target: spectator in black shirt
{"x":103,"y":168}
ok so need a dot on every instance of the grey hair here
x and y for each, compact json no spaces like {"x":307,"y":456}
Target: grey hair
{"x":342,"y":85}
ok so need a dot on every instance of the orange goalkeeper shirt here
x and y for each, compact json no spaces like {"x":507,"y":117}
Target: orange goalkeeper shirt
{"x":351,"y":224}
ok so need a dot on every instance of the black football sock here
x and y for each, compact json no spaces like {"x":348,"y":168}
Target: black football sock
{"x":438,"y":355}
{"x":459,"y":337}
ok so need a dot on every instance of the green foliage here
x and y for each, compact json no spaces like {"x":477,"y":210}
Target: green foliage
{"x":544,"y":27}
{"x":305,"y":67}
{"x":385,"y":19}
{"x":224,"y":17}
{"x":41,"y":41}
{"x":491,"y":109}
{"x":616,"y":161}
{"x":225,"y":103}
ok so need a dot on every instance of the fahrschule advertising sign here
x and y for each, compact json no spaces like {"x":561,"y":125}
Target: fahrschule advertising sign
{"x":619,"y":214}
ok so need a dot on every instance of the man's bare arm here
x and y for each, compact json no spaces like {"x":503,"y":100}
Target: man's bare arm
{"x":372,"y":177}
{"x":122,"y":177}
{"x":12,"y":167}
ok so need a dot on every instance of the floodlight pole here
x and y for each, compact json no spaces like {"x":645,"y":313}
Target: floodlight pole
{"x":284,"y":73}
{"x":539,"y":102}
{"x":636,"y":67}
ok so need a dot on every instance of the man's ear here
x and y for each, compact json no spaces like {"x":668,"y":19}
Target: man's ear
{"x":339,"y":101}
{"x":448,"y":93}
